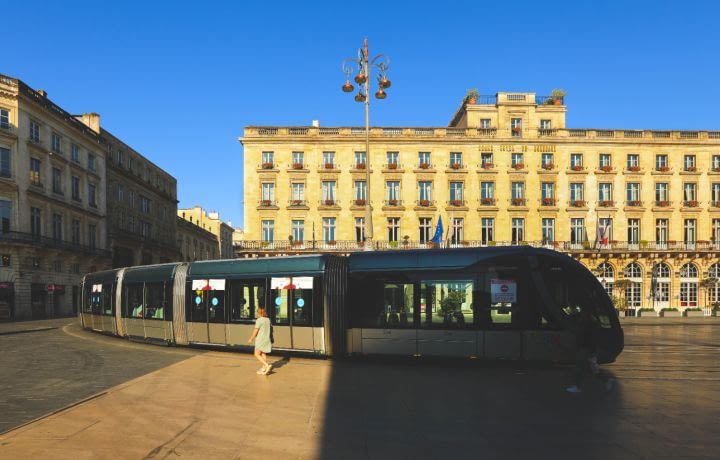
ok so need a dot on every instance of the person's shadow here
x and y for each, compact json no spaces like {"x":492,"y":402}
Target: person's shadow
{"x":279,"y":363}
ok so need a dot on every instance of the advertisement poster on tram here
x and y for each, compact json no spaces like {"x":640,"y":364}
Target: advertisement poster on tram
{"x":503,"y":291}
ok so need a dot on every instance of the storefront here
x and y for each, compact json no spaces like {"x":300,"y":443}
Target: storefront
{"x":7,"y":301}
{"x":57,"y":296}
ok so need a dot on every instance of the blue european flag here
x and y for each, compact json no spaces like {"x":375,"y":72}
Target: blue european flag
{"x":437,"y":239}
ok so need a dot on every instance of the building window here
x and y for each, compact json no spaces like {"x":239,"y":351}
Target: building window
{"x":487,"y":230}
{"x":456,"y":191}
{"x":688,"y":285}
{"x":35,"y":178}
{"x":145,"y":229}
{"x":92,"y":236}
{"x":329,"y":160}
{"x":56,"y":181}
{"x":298,"y":159}
{"x":661,"y":162}
{"x":144,"y":205}
{"x":661,"y":233}
{"x":633,"y":161}
{"x":75,"y":188}
{"x":425,"y":191}
{"x":516,"y":127}
{"x":517,"y":160}
{"x":328,"y":229}
{"x":487,"y":190}
{"x":485,"y":123}
{"x":715,"y":163}
{"x":4,"y":162}
{"x":633,"y":192}
{"x":577,"y":230}
{"x":545,"y":124}
{"x":716,"y":232}
{"x":91,"y":195}
{"x":56,"y":143}
{"x":424,"y":160}
{"x":298,"y":230}
{"x":120,"y":195}
{"x":547,"y":191}
{"x":517,"y":191}
{"x":268,"y":192}
{"x":577,"y":192}
{"x":517,"y":230}
{"x":606,"y":276}
{"x":690,"y":232}
{"x":328,"y":191}
{"x":633,"y":292}
{"x":91,"y":164}
{"x":633,"y":231}
{"x":715,"y":194}
{"x":392,"y":159}
{"x":75,"y":153}
{"x":661,"y":193}
{"x":360,"y":159}
{"x":392,"y":188}
{"x":393,"y":225}
{"x":689,"y":163}
{"x":4,"y":119}
{"x":35,"y":222}
{"x":605,"y":193}
{"x":359,"y":229}
{"x":456,"y":159}
{"x":268,"y":159}
{"x":360,"y":188}
{"x":486,"y":159}
{"x":690,"y":193}
{"x":268,"y":231}
{"x":714,"y":291}
{"x":576,"y":161}
{"x":604,"y":230}
{"x":57,"y":226}
{"x":457,"y":230}
{"x":547,"y":160}
{"x":5,"y":215}
{"x":605,"y":161}
{"x":298,"y":192}
{"x":34,"y":131}
{"x":425,"y":229}
{"x":75,"y":230}
{"x":548,"y":230}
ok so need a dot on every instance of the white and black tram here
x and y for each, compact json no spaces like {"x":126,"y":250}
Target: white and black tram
{"x":497,"y":303}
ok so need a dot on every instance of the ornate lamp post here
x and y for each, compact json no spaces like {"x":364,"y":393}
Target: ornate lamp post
{"x":363,"y":65}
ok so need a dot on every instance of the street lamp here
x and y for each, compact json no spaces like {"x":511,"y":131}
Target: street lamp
{"x":362,"y":66}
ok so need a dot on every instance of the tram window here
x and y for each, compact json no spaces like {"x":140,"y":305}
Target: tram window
{"x":447,"y":304}
{"x":573,"y":293}
{"x":397,"y":307}
{"x":302,"y":303}
{"x":216,"y":306}
{"x":196,"y":305}
{"x":107,"y":300}
{"x":133,"y":297}
{"x":154,"y":301}
{"x":280,"y":299}
{"x":94,"y":300}
{"x":501,"y":300}
{"x":87,"y":304}
{"x":245,"y":297}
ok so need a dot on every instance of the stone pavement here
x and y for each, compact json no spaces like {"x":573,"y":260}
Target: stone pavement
{"x":213,"y":405}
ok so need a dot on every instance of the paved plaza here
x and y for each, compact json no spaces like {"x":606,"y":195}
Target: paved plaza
{"x":158,"y":402}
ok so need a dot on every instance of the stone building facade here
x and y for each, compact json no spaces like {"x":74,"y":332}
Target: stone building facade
{"x":641,"y":208}
{"x":52,"y":204}
{"x":211,"y":222}
{"x":195,"y":242}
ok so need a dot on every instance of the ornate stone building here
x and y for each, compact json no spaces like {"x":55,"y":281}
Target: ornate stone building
{"x":641,"y":206}
{"x":211,"y":222}
{"x":52,"y":204}
{"x":195,"y":242}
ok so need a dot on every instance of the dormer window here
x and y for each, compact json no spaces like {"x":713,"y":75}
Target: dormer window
{"x":516,"y":127}
{"x":545,"y":124}
{"x":485,"y":123}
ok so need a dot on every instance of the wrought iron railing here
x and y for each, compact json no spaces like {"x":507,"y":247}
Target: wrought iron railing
{"x":48,"y":242}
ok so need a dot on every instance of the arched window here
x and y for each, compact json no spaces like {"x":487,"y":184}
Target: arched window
{"x":606,"y":276}
{"x":660,"y":285}
{"x":688,"y":271}
{"x":714,"y":291}
{"x":714,"y":271}
{"x":689,"y":286}
{"x":633,"y":270}
{"x":661,"y":270}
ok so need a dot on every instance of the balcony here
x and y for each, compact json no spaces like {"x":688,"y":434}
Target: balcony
{"x":50,"y":243}
{"x":691,"y":203}
{"x":456,"y":167}
{"x":517,"y":167}
{"x":487,"y":201}
{"x":456,"y":203}
{"x":425,"y":168}
{"x":605,"y":169}
{"x":663,"y":203}
{"x":299,"y":167}
{"x":547,"y":132}
{"x":606,"y":203}
{"x":269,"y":167}
{"x":392,"y":167}
{"x":328,"y":167}
{"x":634,"y":203}
{"x":328,"y":204}
{"x":425,"y":203}
{"x":487,"y":132}
{"x":297,"y":204}
{"x":392,"y":203}
{"x":577,"y":203}
{"x":550,"y":202}
{"x":519,"y":202}
{"x":547,"y":166}
{"x":487,"y":166}
{"x":267,"y":204}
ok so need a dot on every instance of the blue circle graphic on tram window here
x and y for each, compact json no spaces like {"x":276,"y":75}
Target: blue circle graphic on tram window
{"x":278,"y":300}
{"x":215,"y":301}
{"x":300,"y":302}
{"x":198,"y":300}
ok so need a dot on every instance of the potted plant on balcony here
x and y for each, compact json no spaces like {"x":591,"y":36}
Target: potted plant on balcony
{"x":406,"y":240}
{"x":556,"y":96}
{"x":691,"y":203}
{"x":516,"y":129}
{"x":424,"y":165}
{"x":578,"y":203}
{"x":267,"y":166}
{"x":487,"y":165}
{"x":577,"y":167}
{"x":663,"y":203}
{"x":360,"y":166}
{"x":424,"y":203}
{"x":393,"y":244}
{"x":487,"y":201}
{"x":519,"y":166}
{"x":634,"y":203}
{"x":455,"y":165}
{"x":548,"y":166}
{"x":633,"y":168}
{"x":606,"y":204}
{"x":606,"y":168}
{"x":472,"y":96}
{"x":548,"y":201}
{"x":360,"y":202}
{"x":670,"y":312}
{"x":643,"y":244}
{"x":331,"y":242}
{"x":456,"y":202}
{"x":716,"y":169}
{"x":297,"y":166}
{"x":265,"y":203}
{"x":392,"y":166}
{"x":691,"y":169}
{"x":518,"y":201}
{"x":329,"y":165}
{"x":329,"y":202}
{"x":392,"y":202}
{"x":465,"y":243}
{"x":663,"y":168}
{"x":586,"y":245}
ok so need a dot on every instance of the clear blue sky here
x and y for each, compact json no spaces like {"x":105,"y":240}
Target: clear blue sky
{"x":179,"y":80}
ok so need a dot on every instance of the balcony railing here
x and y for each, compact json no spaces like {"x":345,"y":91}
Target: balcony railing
{"x":53,"y":243}
{"x":297,"y":203}
{"x":487,"y":201}
{"x":560,"y":246}
{"x":266,"y":203}
{"x":393,"y":202}
{"x":456,"y":203}
{"x":425,"y":203}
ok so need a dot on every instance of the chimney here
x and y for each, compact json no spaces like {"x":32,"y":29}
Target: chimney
{"x":91,"y":120}
{"x":42,"y":92}
{"x":316,"y":123}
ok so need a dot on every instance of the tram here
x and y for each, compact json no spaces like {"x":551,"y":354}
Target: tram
{"x":513,"y":302}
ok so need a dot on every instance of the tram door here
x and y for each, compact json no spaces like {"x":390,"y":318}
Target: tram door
{"x":291,"y":300}
{"x":207,"y":316}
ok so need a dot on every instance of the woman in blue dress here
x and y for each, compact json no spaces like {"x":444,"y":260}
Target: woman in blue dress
{"x":261,"y":337}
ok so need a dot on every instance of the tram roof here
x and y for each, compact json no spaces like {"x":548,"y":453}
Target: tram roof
{"x":102,"y":277}
{"x":267,"y":265}
{"x":435,"y":259}
{"x":150,"y":273}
